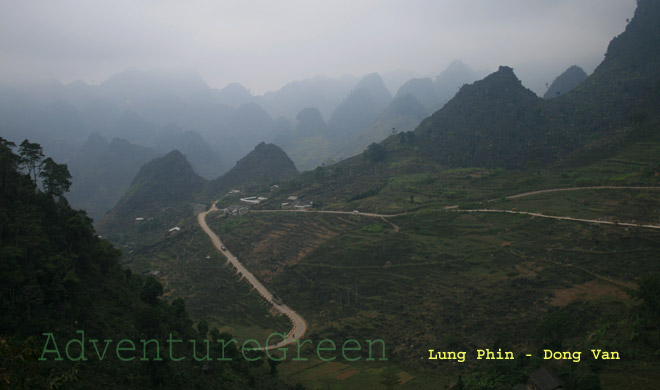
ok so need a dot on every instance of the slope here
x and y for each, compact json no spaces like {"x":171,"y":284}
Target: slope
{"x":61,"y":287}
{"x":266,"y":164}
{"x":565,"y":82}
{"x":165,"y":187}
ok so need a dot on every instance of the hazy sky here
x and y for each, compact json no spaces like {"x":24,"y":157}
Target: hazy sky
{"x":265,"y":43}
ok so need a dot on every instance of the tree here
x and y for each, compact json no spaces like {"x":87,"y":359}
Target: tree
{"x":8,"y":161}
{"x":151,"y":290}
{"x":202,"y":328}
{"x":649,"y":292}
{"x":31,"y":155}
{"x":55,"y":177}
{"x":376,"y":152}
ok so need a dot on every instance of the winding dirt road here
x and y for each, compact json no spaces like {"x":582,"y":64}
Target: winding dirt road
{"x":456,"y":208}
{"x":580,"y":189}
{"x":299,"y":325}
{"x":637,"y":225}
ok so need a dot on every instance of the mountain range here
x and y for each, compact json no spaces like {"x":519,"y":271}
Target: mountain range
{"x":501,"y":219}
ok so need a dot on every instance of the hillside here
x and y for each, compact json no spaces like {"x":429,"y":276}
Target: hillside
{"x":450,"y":80}
{"x":503,"y":221}
{"x":165,"y":187}
{"x":266,"y":164}
{"x":565,"y":82}
{"x":102,"y":172}
{"x":423,"y":90}
{"x":403,"y":114}
{"x":360,"y":108}
{"x":497,"y":122}
{"x":462,"y":278}
{"x":59,"y":278}
{"x":307,"y":143}
{"x":492,"y":122}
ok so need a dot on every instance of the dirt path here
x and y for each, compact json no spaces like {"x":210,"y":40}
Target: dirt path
{"x":637,"y":225}
{"x":456,"y":208}
{"x":299,"y":324}
{"x":578,"y":189}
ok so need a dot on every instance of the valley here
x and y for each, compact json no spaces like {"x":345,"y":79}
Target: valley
{"x":388,"y":230}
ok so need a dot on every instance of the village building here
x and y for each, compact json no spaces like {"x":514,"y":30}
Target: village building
{"x":233,"y":211}
{"x":300,"y":205}
{"x":297,"y":205}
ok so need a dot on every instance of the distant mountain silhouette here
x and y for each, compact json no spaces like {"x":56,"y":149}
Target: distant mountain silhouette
{"x":310,"y":121}
{"x":498,"y":122}
{"x":362,"y":106}
{"x":165,"y":186}
{"x":102,"y":172}
{"x":403,"y":114}
{"x":234,"y":95}
{"x":307,"y":143}
{"x":267,"y":164}
{"x":321,"y":92}
{"x":490,"y":122}
{"x":450,"y":80}
{"x":423,"y":90}
{"x":565,"y":82}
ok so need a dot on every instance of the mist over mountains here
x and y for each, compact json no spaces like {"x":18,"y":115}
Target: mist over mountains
{"x":150,"y":113}
{"x":452,"y":209}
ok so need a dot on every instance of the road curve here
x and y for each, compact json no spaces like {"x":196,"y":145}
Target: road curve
{"x":299,"y":325}
{"x":579,"y":189}
{"x":456,"y":208}
{"x":595,"y":221}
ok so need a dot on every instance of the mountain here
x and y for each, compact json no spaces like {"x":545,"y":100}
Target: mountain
{"x":450,"y":80}
{"x":266,"y":164}
{"x":625,"y":86}
{"x":479,"y":265}
{"x":62,"y":286}
{"x":393,"y":80}
{"x":204,"y":160}
{"x":166,"y":186}
{"x":247,"y":125}
{"x":423,"y":90}
{"x":434,"y":94}
{"x":321,"y":92}
{"x":307,"y":143}
{"x":102,"y":172}
{"x":234,"y":95}
{"x":497,"y":122}
{"x":310,"y":122}
{"x":362,"y":106}
{"x":491,"y":122}
{"x":403,"y":114}
{"x":565,"y":82}
{"x":137,"y":130}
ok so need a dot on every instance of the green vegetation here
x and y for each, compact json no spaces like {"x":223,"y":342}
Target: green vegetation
{"x":439,"y":276}
{"x":57,"y":276}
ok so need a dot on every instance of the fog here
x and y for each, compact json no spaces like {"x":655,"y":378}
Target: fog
{"x":264,"y":44}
